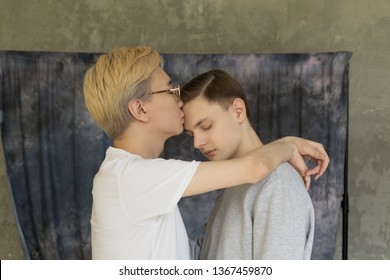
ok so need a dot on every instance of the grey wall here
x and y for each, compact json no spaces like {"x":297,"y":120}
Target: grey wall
{"x":239,"y":27}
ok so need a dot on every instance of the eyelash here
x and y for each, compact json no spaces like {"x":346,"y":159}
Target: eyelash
{"x":205,"y":128}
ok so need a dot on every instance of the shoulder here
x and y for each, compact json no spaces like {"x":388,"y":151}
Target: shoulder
{"x":120,"y":157}
{"x":286,"y":171}
{"x":284,"y":179}
{"x":123,"y":163}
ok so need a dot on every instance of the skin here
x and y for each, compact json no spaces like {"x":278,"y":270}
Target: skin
{"x":218,"y":133}
{"x":223,"y":134}
{"x":160,"y":116}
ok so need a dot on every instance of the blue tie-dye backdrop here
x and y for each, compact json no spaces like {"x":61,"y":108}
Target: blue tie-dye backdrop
{"x":53,"y":148}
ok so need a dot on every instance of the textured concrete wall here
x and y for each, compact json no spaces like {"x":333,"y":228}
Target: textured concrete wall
{"x":247,"y":26}
{"x":9,"y":241}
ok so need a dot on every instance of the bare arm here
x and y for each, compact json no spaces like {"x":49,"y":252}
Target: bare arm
{"x":250,"y":168}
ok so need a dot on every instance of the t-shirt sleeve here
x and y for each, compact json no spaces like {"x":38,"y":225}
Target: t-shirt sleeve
{"x":153,"y":187}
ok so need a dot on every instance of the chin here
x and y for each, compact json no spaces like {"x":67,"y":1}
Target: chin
{"x":220,"y":158}
{"x":180,"y":130}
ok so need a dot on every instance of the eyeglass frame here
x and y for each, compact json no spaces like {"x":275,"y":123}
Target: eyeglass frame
{"x":174,"y":90}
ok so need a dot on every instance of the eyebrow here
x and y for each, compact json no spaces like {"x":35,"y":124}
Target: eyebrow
{"x":200,"y":122}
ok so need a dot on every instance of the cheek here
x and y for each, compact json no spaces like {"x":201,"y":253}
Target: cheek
{"x":227,"y":128}
{"x":166,"y":116}
{"x":172,"y":109}
{"x":229,"y":135}
{"x":220,"y":135}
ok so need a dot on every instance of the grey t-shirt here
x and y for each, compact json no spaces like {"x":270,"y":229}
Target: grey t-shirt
{"x":272,"y":219}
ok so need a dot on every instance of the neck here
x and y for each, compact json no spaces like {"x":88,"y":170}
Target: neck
{"x":250,"y":141}
{"x":144,"y":145}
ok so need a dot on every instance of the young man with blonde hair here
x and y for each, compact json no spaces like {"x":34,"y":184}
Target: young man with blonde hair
{"x":135,"y":193}
{"x":270,"y":219}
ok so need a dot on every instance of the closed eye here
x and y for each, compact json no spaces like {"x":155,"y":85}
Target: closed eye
{"x":207,"y":127}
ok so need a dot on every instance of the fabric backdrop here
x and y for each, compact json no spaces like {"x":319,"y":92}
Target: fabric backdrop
{"x":53,"y":148}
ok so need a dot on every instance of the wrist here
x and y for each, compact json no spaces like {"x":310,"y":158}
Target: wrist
{"x":290,"y":139}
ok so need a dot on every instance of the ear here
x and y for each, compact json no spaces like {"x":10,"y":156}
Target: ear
{"x":239,"y":109}
{"x":137,"y":110}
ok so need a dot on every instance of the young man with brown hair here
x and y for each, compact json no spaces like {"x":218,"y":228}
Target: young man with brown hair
{"x":270,"y":219}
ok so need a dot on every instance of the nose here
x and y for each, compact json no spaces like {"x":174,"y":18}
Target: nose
{"x":181,"y":103}
{"x":199,"y":140}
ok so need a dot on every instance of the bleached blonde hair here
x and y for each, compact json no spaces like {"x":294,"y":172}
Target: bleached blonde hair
{"x":118,"y":77}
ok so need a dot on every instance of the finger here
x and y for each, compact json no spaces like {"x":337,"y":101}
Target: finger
{"x":318,"y":154}
{"x":307,"y":181}
{"x":324,"y":165}
{"x":319,"y":174}
{"x":317,"y":171}
{"x":314,"y":171}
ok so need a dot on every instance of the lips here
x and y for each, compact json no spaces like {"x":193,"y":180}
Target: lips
{"x":209,"y":153}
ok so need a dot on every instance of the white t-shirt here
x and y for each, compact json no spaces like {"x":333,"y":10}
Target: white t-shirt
{"x":134,"y":212}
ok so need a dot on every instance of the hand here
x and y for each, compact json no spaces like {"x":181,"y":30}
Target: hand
{"x":312,"y":151}
{"x":299,"y":164}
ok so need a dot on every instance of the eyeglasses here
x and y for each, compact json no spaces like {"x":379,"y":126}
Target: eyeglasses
{"x":174,"y":90}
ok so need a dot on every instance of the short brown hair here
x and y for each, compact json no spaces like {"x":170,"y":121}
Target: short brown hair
{"x":216,"y":86}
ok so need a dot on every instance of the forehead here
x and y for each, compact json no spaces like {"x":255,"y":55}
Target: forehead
{"x":200,"y":109}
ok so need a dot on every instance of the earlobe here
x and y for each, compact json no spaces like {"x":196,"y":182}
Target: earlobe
{"x":137,"y":110}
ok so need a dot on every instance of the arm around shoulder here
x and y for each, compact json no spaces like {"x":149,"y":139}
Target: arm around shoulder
{"x":251,"y":168}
